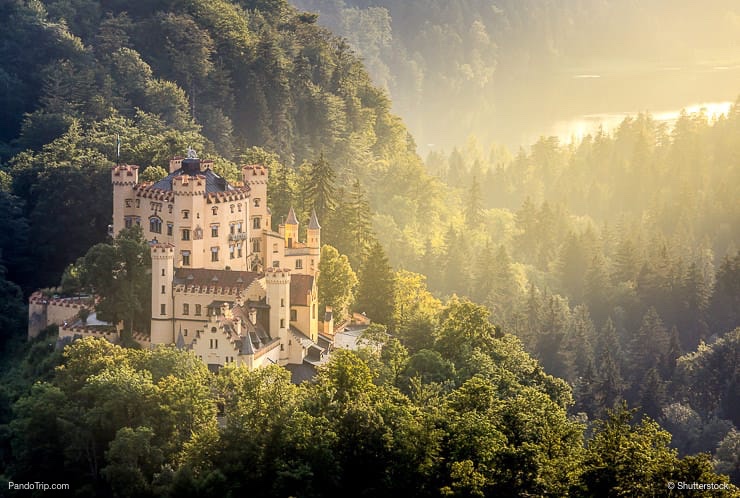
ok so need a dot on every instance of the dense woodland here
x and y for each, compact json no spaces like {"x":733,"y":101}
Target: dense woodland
{"x":607,"y":275}
{"x":502,"y":69}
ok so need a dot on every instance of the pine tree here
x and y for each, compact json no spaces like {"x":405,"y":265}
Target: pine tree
{"x":319,"y":188}
{"x":474,"y":207}
{"x":358,"y":223}
{"x":376,"y":288}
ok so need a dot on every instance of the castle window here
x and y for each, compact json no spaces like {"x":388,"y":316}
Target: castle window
{"x":185,"y":309}
{"x":298,"y":264}
{"x":231,"y":252}
{"x":185,"y":234}
{"x":137,"y":203}
{"x":276,"y":264}
{"x":185,"y":214}
{"x":282,"y":302}
{"x":169,"y":229}
{"x":197,"y":233}
{"x":214,"y":209}
{"x":256,"y":245}
{"x":214,"y":230}
{"x":214,"y":253}
{"x":239,"y":227}
{"x":129,"y":202}
{"x":256,"y":223}
{"x":239,"y":250}
{"x":256,"y":203}
{"x":164,"y":290}
{"x":155,"y":224}
{"x":169,"y":208}
{"x":239,"y":207}
{"x":197,"y":310}
{"x":213,"y":330}
{"x":232,"y":208}
{"x":274,"y":248}
{"x":138,"y":221}
{"x":162,"y":309}
{"x":293,"y":315}
{"x":185,"y":258}
{"x":128,"y":222}
{"x":214,"y":343}
{"x":232,"y":229}
{"x":282,"y":323}
{"x":163,"y":272}
{"x":185,"y":332}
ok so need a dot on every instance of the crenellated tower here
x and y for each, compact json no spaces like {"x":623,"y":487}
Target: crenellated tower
{"x":163,"y":264}
{"x":277,"y":281}
{"x":124,"y":178}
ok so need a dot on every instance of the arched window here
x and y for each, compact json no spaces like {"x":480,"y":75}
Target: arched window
{"x":215,"y":210}
{"x":155,"y":224}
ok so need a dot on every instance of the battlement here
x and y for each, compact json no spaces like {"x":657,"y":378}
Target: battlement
{"x":62,"y":302}
{"x":162,"y":248}
{"x":277,"y":273}
{"x":189,"y":185}
{"x":255,"y":173}
{"x":127,"y":174}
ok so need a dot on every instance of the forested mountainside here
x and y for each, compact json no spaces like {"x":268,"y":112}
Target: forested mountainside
{"x":505,"y":71}
{"x":613,"y":262}
{"x":221,"y":77}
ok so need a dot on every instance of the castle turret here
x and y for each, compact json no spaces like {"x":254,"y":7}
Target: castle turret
{"x":255,"y":176}
{"x":277,"y":281}
{"x":124,"y":178}
{"x":163,"y":264}
{"x":291,"y":229}
{"x":313,"y":233}
{"x":190,"y":228}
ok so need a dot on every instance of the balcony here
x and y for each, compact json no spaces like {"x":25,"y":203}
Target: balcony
{"x":238,"y":236}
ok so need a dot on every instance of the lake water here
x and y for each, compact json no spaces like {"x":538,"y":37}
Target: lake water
{"x":579,"y":100}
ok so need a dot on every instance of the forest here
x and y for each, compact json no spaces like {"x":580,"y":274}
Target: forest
{"x":562,"y":320}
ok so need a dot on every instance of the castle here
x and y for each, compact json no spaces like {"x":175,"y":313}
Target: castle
{"x":224,"y":284}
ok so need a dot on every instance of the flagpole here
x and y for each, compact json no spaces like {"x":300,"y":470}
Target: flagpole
{"x":118,"y":149}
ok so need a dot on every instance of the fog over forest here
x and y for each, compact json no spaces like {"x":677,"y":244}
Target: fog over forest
{"x":535,"y":203}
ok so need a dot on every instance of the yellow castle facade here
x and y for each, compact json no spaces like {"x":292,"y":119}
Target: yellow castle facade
{"x":224,"y":284}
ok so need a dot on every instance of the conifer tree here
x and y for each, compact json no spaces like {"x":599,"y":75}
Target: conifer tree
{"x":319,"y":187}
{"x":376,"y":288}
{"x":474,"y":207}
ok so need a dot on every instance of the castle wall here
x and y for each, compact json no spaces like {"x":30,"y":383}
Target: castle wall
{"x":43,"y":311}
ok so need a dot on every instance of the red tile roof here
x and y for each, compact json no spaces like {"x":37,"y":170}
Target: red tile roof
{"x":300,"y":288}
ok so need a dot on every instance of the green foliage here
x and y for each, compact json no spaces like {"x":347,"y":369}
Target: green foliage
{"x":117,"y":272}
{"x":376,"y":287}
{"x":336,"y":282}
{"x":153,"y":174}
{"x":626,"y":460}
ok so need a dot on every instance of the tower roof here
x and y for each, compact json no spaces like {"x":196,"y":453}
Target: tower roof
{"x":313,"y":223}
{"x":292,"y":220}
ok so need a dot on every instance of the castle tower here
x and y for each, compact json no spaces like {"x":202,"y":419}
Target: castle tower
{"x":313,"y":242}
{"x":277,"y":281}
{"x":255,"y":176}
{"x":163,"y":269}
{"x":190,"y":227}
{"x":123,"y":178}
{"x":291,"y":229}
{"x":313,"y":234}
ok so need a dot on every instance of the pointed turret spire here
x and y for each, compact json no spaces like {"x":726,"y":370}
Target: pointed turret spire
{"x":313,"y":223}
{"x":292,"y":220}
